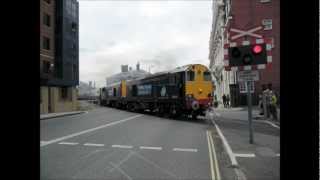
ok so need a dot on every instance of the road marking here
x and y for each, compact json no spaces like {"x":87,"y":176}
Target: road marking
{"x":244,"y":155}
{"x":122,"y":146}
{"x":123,"y":160}
{"x":87,"y":131}
{"x":218,"y":177}
{"x":92,"y":144}
{"x":272,"y":124}
{"x":155,"y":165}
{"x":227,"y":147}
{"x":69,"y":143}
{"x":152,"y":148}
{"x":185,"y":149}
{"x":120,"y":170}
{"x":210,"y":156}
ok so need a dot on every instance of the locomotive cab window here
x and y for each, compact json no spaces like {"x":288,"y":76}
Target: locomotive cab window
{"x":207,"y":76}
{"x":190,"y":76}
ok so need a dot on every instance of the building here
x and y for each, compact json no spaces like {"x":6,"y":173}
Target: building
{"x":59,"y":55}
{"x":244,"y":15}
{"x":127,"y":75}
{"x":222,"y":79}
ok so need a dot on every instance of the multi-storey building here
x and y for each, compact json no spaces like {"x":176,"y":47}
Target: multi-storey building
{"x":59,"y":55}
{"x":244,"y":15}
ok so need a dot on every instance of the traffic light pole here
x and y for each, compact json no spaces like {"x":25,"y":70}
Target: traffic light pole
{"x":250,"y":113}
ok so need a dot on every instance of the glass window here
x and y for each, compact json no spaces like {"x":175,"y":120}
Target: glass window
{"x":46,"y":19}
{"x":46,"y":43}
{"x":190,"y":76}
{"x":207,"y":76}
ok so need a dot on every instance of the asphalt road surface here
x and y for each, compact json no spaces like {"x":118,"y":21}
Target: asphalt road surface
{"x":107,"y":143}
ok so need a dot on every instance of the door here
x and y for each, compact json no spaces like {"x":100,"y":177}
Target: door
{"x":49,"y":100}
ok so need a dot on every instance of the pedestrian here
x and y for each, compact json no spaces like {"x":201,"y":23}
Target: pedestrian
{"x":228,"y":101}
{"x":273,"y":107}
{"x":269,"y":100}
{"x":224,"y":98}
{"x":261,"y":105}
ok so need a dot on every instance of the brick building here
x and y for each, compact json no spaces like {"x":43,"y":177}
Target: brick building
{"x":245,"y":15}
{"x":59,"y":55}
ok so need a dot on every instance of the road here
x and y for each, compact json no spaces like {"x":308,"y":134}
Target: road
{"x":108,"y":143}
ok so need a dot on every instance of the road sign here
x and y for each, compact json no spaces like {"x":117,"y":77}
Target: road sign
{"x":249,"y":32}
{"x":248,"y":76}
{"x":243,"y":87}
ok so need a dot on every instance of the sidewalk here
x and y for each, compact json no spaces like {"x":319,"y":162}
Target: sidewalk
{"x":241,"y":113}
{"x":54,"y":115}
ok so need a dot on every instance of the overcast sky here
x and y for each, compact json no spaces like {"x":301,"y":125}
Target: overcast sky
{"x":160,"y":34}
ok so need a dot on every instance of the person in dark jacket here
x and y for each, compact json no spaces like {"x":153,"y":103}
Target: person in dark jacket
{"x":228,"y":101}
{"x":224,"y":98}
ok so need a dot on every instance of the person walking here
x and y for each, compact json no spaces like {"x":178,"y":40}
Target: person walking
{"x":228,"y":101}
{"x":273,"y":107}
{"x":261,"y":105}
{"x":224,"y":98}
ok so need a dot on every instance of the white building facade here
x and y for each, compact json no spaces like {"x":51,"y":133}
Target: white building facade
{"x":222,"y":79}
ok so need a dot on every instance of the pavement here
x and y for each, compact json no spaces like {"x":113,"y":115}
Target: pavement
{"x":61,"y":114}
{"x":260,"y":160}
{"x":107,"y":143}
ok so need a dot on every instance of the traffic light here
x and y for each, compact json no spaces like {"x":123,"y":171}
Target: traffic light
{"x":247,"y":55}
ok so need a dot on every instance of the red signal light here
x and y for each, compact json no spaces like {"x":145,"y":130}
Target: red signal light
{"x":257,"y":49}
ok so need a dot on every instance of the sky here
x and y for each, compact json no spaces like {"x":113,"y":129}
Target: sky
{"x":160,"y":35}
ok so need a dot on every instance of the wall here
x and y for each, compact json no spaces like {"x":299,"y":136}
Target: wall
{"x":58,"y":104}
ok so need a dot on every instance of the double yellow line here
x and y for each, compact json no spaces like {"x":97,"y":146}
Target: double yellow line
{"x":214,"y":166}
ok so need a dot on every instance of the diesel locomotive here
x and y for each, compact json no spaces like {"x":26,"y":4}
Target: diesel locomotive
{"x":186,"y":90}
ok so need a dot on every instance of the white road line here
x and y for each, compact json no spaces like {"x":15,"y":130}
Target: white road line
{"x":92,"y":144}
{"x":185,"y":149}
{"x":120,"y":170}
{"x":272,"y":124}
{"x":122,"y":146}
{"x":244,"y":155}
{"x":69,"y":143}
{"x":227,"y":147}
{"x":87,"y":131}
{"x":152,"y":148}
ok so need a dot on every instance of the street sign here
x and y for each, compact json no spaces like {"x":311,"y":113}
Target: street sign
{"x":248,"y":76}
{"x":243,"y":87}
{"x":249,"y":32}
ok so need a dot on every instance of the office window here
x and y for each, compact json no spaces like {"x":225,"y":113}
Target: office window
{"x":46,"y":19}
{"x":66,"y":93}
{"x":45,"y":43}
{"x":74,"y":26}
{"x":46,"y":67}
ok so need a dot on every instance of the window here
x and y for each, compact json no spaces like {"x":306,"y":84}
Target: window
{"x":64,"y":93}
{"x":46,"y":43}
{"x":46,"y":67}
{"x":74,"y":72}
{"x":46,"y":19}
{"x":207,"y":76}
{"x":190,"y":76}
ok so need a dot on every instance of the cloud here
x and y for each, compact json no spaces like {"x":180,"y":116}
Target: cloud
{"x":158,"y":34}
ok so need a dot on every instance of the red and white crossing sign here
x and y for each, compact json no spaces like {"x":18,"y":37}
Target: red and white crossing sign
{"x":249,"y":32}
{"x":267,"y":41}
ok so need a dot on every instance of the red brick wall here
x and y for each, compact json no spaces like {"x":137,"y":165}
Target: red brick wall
{"x":247,"y":14}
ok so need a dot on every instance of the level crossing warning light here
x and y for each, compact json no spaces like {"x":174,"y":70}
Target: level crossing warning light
{"x":247,"y":55}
